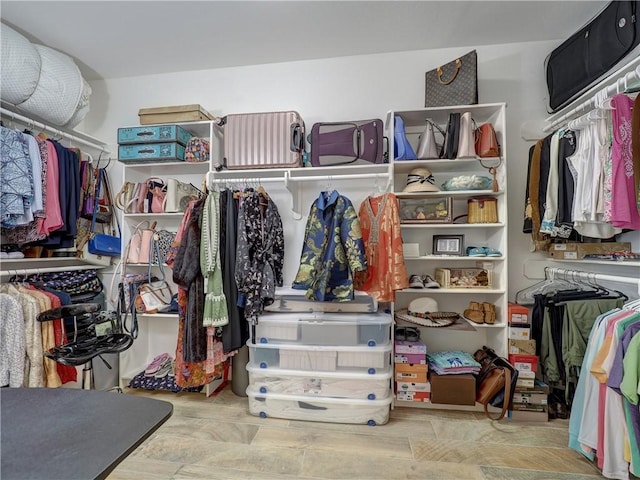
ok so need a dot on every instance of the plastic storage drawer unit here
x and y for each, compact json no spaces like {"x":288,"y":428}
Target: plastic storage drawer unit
{"x":325,"y":329}
{"x":323,"y":358}
{"x":361,"y":386}
{"x":321,"y":409}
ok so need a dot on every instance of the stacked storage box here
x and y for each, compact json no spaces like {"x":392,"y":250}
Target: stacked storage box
{"x":411,"y":368}
{"x":530,"y":404}
{"x":152,"y":143}
{"x":522,"y":349}
{"x":321,"y":366}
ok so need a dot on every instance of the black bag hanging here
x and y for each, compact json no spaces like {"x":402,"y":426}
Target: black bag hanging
{"x":452,"y":137}
{"x":592,"y":51}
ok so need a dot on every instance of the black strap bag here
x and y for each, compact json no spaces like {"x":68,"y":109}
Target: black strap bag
{"x":592,"y":51}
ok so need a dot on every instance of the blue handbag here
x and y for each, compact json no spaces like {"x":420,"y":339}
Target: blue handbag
{"x":102,"y":243}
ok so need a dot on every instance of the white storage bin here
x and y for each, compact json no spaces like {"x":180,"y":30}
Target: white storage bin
{"x":326,"y":409}
{"x":358,"y":359}
{"x":324,"y":328}
{"x":363,"y":358}
{"x":290,"y":300}
{"x":362,"y":386}
{"x":308,"y":359}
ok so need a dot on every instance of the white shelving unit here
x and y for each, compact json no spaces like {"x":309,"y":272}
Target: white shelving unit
{"x":467,"y":336}
{"x":158,"y":333}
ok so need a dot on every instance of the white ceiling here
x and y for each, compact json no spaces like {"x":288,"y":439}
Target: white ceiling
{"x":112,"y":39}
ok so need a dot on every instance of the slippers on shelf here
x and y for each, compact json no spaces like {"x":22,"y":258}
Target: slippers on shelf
{"x":409,"y":334}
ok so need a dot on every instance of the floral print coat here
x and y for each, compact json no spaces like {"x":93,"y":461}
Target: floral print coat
{"x":333,"y":250}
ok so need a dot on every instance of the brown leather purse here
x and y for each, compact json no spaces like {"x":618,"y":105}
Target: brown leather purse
{"x":495,"y":384}
{"x":487,"y":141}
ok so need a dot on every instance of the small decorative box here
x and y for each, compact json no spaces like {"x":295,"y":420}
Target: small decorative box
{"x":426,"y":210}
{"x":482,"y":210}
{"x":463,"y":277}
{"x":152,"y":134}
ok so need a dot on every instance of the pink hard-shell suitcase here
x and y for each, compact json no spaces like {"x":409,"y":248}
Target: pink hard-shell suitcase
{"x":263,"y":140}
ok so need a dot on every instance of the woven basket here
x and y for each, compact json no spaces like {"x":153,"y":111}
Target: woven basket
{"x":482,"y":210}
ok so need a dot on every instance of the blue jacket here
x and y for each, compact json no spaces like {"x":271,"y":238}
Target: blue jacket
{"x":333,"y":250}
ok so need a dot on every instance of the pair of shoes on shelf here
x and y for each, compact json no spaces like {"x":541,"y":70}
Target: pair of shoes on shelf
{"x":481,"y":312}
{"x":158,"y":364}
{"x":166,"y":369}
{"x":483,"y":252}
{"x":422,"y":281}
{"x":10,"y":250}
{"x":410,"y":334}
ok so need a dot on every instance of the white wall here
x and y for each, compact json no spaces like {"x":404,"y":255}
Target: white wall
{"x":347,"y":88}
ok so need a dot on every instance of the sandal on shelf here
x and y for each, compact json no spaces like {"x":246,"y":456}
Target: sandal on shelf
{"x":475,"y":312}
{"x":476,"y":316}
{"x":489,"y":310}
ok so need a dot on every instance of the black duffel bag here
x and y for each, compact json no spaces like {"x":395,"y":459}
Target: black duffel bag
{"x":592,"y":51}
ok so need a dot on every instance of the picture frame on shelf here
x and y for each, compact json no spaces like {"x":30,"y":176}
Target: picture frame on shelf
{"x":450,"y":245}
{"x":425,"y":210}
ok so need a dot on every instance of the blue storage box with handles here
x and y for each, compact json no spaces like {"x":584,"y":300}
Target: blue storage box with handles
{"x":153,"y":134}
{"x":151,"y":152}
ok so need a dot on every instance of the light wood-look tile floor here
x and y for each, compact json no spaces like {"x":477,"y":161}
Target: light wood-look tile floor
{"x":217,"y":438}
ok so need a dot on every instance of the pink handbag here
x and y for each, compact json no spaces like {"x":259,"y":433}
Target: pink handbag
{"x":157,"y":191}
{"x":467,"y":141}
{"x":140,"y":243}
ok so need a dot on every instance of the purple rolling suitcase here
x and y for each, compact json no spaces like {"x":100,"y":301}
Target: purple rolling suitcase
{"x":263,"y":140}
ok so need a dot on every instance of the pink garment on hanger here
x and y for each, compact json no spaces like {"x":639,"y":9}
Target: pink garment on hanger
{"x":53,"y":216}
{"x":624,"y":212}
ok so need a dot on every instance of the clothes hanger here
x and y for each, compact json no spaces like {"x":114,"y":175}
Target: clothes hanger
{"x":550,"y":283}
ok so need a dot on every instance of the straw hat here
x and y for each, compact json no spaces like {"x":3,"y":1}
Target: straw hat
{"x":424,"y":311}
{"x":420,"y":180}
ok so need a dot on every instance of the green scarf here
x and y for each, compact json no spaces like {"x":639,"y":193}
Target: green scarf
{"x":215,"y":302}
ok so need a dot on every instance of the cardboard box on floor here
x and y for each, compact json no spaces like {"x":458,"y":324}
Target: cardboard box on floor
{"x":453,"y":389}
{"x":577,"y":251}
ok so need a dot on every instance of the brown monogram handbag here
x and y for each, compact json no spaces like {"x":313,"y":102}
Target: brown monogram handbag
{"x":454,"y":83}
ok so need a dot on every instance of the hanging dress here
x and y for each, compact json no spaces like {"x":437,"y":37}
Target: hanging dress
{"x":380,"y":225}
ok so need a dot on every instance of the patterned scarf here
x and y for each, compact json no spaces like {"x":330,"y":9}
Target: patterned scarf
{"x":215,"y":302}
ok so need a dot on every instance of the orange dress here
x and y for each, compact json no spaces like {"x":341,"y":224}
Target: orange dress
{"x":380,"y":224}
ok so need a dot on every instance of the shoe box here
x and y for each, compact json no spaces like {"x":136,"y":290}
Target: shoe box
{"x":577,"y":251}
{"x":517,"y":314}
{"x":519,"y":333}
{"x":524,"y":347}
{"x":524,"y":363}
{"x":530,"y":404}
{"x":408,"y":396}
{"x":411,"y":372}
{"x":453,"y":389}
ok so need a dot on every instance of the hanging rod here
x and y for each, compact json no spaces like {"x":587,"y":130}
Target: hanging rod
{"x":606,"y":87}
{"x":77,"y":137}
{"x":210,"y":179}
{"x":348,"y":176}
{"x":591,"y":276}
{"x":37,"y":271}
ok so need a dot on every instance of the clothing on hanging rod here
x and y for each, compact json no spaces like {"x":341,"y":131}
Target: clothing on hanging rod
{"x":76,"y":137}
